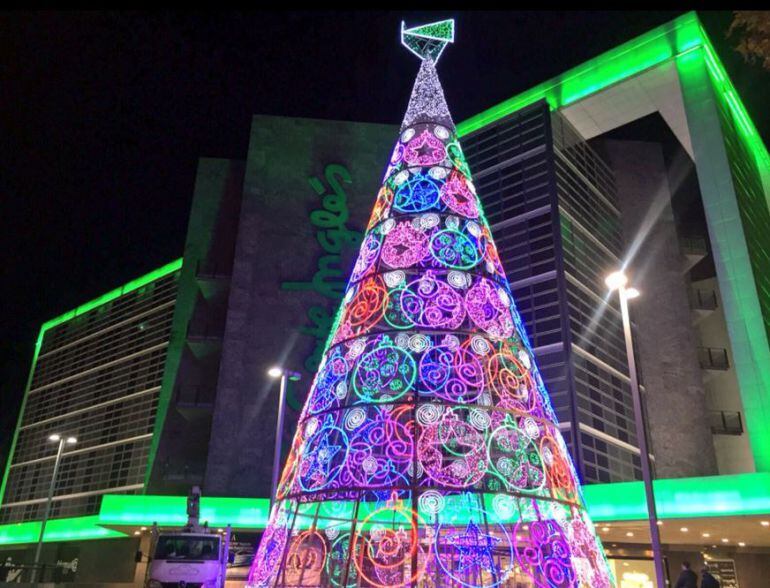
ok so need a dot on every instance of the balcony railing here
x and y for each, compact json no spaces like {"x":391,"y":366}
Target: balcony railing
{"x":725,"y":422}
{"x":713,"y":358}
{"x":704,"y":299}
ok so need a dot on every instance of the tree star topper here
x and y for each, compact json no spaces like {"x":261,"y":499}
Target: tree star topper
{"x":428,"y":40}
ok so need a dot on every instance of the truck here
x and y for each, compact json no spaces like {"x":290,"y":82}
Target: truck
{"x":193,"y":557}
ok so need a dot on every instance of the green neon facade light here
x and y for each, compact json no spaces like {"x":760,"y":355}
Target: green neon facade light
{"x":70,"y":529}
{"x":710,"y":496}
{"x":678,"y":498}
{"x":714,"y":496}
{"x":113,"y":294}
{"x":672,"y":40}
{"x":128,"y":509}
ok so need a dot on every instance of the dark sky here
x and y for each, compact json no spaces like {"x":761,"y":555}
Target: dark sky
{"x":104,"y":115}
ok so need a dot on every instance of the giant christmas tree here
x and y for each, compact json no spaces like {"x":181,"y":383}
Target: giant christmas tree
{"x":427,"y":453}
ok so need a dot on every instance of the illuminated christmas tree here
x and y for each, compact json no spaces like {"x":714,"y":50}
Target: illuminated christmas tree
{"x":427,"y":453}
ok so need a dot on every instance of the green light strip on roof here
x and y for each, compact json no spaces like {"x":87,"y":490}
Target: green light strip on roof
{"x":723,"y":84}
{"x":112,"y":295}
{"x":672,"y":40}
{"x":627,"y":60}
{"x":71,"y":529}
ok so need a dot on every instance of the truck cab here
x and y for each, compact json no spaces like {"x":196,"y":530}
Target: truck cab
{"x":191,"y":560}
{"x":191,"y":557}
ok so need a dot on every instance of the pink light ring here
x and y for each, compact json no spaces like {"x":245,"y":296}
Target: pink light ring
{"x":370,"y":250}
{"x":398,"y":154}
{"x":381,"y":448}
{"x":514,"y":458}
{"x":452,"y":452}
{"x":544,"y":554}
{"x":405,"y":245}
{"x":452,"y":373}
{"x":431,"y":302}
{"x":488,"y":306}
{"x":588,"y":558}
{"x":424,"y":149}
{"x":457,"y":195}
{"x":266,"y":564}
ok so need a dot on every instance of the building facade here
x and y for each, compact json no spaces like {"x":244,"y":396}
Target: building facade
{"x":97,"y":375}
{"x":552,"y":205}
{"x":164,"y":380}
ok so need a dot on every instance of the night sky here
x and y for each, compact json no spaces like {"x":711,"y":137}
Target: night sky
{"x":104,"y":116}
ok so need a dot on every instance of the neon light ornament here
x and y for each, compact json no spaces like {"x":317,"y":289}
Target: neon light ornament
{"x":427,"y":453}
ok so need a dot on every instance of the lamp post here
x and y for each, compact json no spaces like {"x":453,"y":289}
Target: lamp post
{"x":62,"y":441}
{"x":285,"y":375}
{"x":617,"y":281}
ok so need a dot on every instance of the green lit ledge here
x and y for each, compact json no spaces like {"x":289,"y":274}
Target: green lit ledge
{"x":714,"y":496}
{"x":682,"y":36}
{"x":112,"y":295}
{"x":625,"y":61}
{"x":72,"y":529}
{"x":124,"y":509}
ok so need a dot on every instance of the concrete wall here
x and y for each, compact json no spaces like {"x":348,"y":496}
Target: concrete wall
{"x":733,"y":452}
{"x":666,"y":341}
{"x":192,"y":366}
{"x":268,"y":324}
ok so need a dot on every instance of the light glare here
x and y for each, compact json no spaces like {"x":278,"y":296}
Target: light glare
{"x":632,"y":293}
{"x":616,"y":280}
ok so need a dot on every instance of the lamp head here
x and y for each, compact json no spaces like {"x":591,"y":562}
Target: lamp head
{"x":632,"y":293}
{"x":616,"y":280}
{"x":277,"y":372}
{"x":55,"y":438}
{"x":71,"y":440}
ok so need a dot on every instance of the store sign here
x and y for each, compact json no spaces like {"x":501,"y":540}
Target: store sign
{"x":336,"y":241}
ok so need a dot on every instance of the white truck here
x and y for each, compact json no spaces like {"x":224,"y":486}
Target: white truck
{"x":195,"y":557}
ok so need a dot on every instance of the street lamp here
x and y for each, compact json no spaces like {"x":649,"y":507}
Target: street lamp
{"x":618,"y":281}
{"x":285,"y":375}
{"x":62,"y":441}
